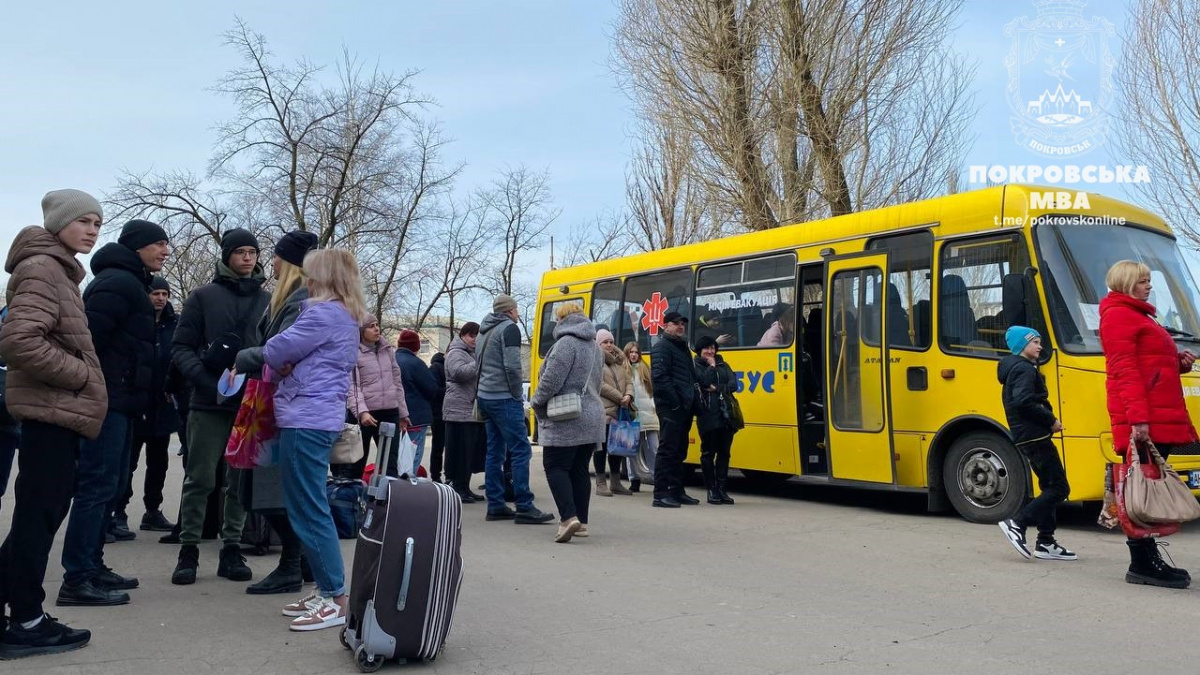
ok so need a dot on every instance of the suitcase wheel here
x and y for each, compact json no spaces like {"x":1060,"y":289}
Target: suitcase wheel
{"x":367,"y":662}
{"x":342,"y":637}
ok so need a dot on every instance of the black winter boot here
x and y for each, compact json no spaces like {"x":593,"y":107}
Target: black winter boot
{"x":305,"y":571}
{"x":232,"y":565}
{"x":285,"y":578}
{"x":185,"y":569}
{"x":725,"y":498}
{"x":1145,"y":567}
{"x":1177,"y":571}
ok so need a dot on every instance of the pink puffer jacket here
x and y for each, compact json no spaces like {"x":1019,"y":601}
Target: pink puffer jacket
{"x":375,"y":383}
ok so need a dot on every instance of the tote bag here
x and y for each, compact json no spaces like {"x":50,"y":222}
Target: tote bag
{"x":624,"y":435}
{"x":252,"y":440}
{"x":1154,"y":493}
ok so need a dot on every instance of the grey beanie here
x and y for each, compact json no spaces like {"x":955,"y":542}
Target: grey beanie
{"x":61,"y":207}
{"x":503,"y":303}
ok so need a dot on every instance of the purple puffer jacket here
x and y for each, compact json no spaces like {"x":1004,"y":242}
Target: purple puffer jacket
{"x":376,"y":383}
{"x":322,"y":346}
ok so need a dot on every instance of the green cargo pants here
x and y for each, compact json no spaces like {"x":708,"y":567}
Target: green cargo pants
{"x":207,"y":434}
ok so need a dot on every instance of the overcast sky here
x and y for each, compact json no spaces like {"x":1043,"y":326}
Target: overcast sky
{"x":88,"y":89}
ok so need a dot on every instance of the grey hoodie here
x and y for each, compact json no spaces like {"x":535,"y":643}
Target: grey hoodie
{"x":499,"y":356}
{"x":566,"y":370}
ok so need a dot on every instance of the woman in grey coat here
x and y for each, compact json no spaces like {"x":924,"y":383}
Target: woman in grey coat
{"x":464,"y":436}
{"x":574,"y":365}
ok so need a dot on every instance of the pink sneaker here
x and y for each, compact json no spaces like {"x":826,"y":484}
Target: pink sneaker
{"x":327,"y":614}
{"x":302,"y":606}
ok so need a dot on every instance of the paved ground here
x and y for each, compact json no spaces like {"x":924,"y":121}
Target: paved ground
{"x":791,"y":580}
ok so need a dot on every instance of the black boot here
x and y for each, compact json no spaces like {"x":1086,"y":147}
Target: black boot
{"x":119,"y":528}
{"x":232,"y":565}
{"x":285,"y":578}
{"x":185,"y":569}
{"x":714,"y":496}
{"x":305,"y":571}
{"x":1177,"y":571}
{"x":1145,"y":567}
{"x":725,"y":498}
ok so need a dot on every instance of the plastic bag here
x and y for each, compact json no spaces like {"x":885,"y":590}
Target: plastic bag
{"x":252,"y":440}
{"x":406,"y":453}
{"x":624,"y":436}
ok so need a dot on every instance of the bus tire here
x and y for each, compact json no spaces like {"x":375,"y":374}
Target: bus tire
{"x":985,"y":477}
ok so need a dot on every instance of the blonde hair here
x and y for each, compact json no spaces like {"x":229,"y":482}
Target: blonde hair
{"x":642,"y":368}
{"x":333,"y":275}
{"x":1124,"y":275}
{"x":290,"y":278}
{"x":566,"y":310}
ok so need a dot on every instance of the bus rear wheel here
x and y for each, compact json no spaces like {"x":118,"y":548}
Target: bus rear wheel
{"x":985,"y":477}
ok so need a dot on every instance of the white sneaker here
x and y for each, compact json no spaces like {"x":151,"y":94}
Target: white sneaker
{"x":326,"y":614}
{"x":1016,"y":536}
{"x":303,"y":606}
{"x":1053,"y":551}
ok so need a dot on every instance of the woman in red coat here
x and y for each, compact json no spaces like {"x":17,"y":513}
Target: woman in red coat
{"x":1145,"y":394}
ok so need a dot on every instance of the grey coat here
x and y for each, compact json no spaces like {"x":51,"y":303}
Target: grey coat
{"x":565,"y":370}
{"x":460,"y":382}
{"x":499,"y":354}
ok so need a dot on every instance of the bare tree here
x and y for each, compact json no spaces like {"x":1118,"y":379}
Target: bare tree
{"x":665,"y":201}
{"x":520,"y":209}
{"x":1159,"y":117}
{"x":607,"y":236}
{"x":797,"y":110}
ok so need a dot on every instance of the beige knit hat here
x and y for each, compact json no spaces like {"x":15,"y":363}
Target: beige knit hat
{"x":503,"y":303}
{"x":61,"y":207}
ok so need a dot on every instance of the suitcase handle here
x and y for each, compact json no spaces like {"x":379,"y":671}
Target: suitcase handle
{"x":404,"y":580}
{"x":387,"y":436}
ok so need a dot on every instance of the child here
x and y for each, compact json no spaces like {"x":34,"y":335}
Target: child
{"x":1031,"y":421}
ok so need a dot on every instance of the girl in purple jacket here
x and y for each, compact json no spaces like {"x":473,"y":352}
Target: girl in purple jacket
{"x":314,"y":357}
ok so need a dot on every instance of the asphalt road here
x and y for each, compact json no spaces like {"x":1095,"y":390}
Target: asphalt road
{"x":790,"y":580}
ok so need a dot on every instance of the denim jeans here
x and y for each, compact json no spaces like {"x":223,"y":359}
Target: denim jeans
{"x":304,"y":454}
{"x":101,"y":476}
{"x":417,"y":436}
{"x":506,"y":433}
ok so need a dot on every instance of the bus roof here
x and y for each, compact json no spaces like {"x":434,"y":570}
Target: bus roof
{"x":955,"y":214}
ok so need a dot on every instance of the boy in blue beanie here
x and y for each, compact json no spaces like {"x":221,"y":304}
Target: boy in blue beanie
{"x":1032,"y":423}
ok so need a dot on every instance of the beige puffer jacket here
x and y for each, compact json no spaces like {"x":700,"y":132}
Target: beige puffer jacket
{"x":617,"y":382}
{"x":53,"y":373}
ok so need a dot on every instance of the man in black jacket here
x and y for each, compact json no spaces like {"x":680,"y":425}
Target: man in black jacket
{"x":153,"y":429}
{"x":218,"y":319}
{"x":121,"y":321}
{"x":674,"y":378}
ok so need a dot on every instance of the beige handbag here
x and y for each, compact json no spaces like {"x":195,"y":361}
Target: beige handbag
{"x":1156,"y":500}
{"x":347,"y":449}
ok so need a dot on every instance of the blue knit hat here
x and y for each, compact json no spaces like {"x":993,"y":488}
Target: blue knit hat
{"x":1019,"y":336}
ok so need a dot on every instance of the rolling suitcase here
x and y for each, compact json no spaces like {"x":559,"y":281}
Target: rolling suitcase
{"x":407,"y":568}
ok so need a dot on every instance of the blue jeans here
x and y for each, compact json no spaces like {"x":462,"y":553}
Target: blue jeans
{"x":418,"y":438}
{"x":101,"y":477}
{"x":304,"y":456}
{"x":506,"y":433}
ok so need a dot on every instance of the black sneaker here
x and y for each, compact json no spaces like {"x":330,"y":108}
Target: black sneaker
{"x":90,"y":594}
{"x":1053,"y":551}
{"x":232,"y":565}
{"x":172,"y":538}
{"x":120,"y":528}
{"x":185,"y":569}
{"x":532,"y":516}
{"x":106,"y":578}
{"x":635,"y":486}
{"x":686,"y":499}
{"x":665,"y":503}
{"x":48,"y":637}
{"x":504,"y":513}
{"x":155,"y":521}
{"x":1016,"y":536}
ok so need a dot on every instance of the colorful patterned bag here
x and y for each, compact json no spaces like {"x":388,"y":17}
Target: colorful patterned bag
{"x":252,"y":441}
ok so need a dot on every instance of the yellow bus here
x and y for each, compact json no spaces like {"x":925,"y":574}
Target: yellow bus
{"x":892,"y":324}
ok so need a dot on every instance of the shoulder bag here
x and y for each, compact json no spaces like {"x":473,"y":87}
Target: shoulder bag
{"x":348,"y":448}
{"x":1154,"y":493}
{"x":568,"y":406}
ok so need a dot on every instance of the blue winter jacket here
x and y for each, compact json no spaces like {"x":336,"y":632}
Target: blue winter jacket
{"x":420,"y":387}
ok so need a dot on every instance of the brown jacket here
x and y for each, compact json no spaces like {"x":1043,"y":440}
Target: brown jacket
{"x":616,"y":383}
{"x":53,"y":373}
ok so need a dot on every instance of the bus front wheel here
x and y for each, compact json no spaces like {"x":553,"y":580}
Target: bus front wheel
{"x":985,"y":477}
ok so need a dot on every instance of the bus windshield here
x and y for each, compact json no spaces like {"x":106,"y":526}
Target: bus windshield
{"x":1076,"y":256}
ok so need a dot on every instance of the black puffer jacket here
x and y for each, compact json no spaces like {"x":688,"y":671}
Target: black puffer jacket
{"x":714,"y":409}
{"x":121,"y":320}
{"x":437,"y":366}
{"x":161,"y":418}
{"x":1026,"y":399}
{"x":674,"y":378}
{"x":230,"y":304}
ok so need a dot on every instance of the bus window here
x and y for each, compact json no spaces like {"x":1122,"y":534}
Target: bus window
{"x":857,"y":392}
{"x":747,"y":304}
{"x":647,"y":300}
{"x":606,"y":305}
{"x":971,"y":293}
{"x":546,"y":338}
{"x":910,"y":260}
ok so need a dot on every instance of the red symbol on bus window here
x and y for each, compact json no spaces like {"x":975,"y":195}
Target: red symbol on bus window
{"x":653,"y":311}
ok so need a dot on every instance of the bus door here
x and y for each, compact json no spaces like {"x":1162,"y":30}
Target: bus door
{"x":858,"y":431}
